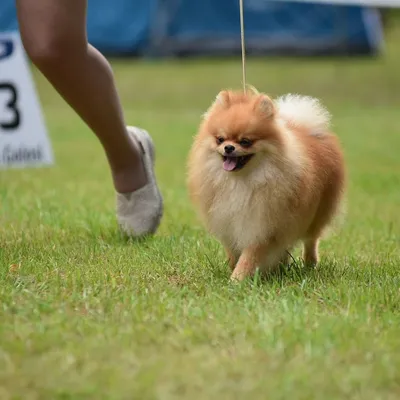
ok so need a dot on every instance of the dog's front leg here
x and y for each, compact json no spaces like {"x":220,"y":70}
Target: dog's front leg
{"x":233,"y":257}
{"x":248,"y":262}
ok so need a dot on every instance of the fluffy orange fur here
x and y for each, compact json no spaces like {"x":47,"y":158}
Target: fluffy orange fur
{"x":265,"y":174}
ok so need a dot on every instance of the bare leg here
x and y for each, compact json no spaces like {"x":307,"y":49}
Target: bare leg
{"x":54,"y":36}
{"x":310,"y":252}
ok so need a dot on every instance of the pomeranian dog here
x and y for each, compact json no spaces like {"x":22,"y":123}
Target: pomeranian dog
{"x":265,"y":174}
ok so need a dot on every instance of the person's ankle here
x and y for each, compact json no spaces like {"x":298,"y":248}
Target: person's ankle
{"x":130,"y":179}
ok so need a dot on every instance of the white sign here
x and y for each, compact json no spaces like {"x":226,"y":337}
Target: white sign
{"x":23,"y":135}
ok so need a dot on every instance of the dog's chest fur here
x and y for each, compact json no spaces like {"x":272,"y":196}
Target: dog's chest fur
{"x":241,"y":215}
{"x":243,"y":209}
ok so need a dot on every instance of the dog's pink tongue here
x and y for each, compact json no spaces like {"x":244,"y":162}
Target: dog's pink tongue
{"x":230,"y":163}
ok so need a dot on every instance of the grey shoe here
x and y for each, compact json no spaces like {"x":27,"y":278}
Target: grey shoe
{"x":139,"y":213}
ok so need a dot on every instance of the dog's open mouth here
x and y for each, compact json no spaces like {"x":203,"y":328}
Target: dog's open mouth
{"x":234,"y":163}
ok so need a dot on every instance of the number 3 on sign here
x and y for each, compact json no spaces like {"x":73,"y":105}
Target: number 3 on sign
{"x":10,"y":115}
{"x":23,"y":134}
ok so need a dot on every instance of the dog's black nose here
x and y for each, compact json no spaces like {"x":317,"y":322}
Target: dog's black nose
{"x":229,"y":149}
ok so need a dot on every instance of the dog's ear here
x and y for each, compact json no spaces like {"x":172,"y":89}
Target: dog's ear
{"x":222,"y":100}
{"x":265,"y":106}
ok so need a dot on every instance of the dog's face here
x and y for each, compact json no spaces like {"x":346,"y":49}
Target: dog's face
{"x":239,"y":131}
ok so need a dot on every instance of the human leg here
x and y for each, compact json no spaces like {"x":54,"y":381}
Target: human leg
{"x":54,"y":36}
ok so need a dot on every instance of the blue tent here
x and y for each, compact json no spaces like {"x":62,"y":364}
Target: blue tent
{"x":181,"y":27}
{"x":210,"y":26}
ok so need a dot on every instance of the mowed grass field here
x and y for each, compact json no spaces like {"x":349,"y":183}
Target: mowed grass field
{"x":87,"y":314}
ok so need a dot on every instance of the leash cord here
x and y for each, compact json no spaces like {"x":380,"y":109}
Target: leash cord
{"x":243,"y":45}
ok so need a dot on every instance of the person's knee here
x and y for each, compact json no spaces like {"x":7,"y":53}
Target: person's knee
{"x":50,"y":50}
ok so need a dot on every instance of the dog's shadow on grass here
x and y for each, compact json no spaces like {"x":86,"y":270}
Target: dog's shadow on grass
{"x":295,"y":272}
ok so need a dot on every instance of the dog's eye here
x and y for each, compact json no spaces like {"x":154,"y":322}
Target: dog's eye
{"x":245,"y":142}
{"x":220,"y":140}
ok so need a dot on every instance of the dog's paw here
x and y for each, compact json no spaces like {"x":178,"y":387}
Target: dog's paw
{"x":237,"y":276}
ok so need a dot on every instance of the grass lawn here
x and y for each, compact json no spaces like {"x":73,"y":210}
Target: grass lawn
{"x":86,"y":314}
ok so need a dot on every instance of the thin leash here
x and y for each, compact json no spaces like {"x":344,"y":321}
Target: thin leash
{"x":243,"y":45}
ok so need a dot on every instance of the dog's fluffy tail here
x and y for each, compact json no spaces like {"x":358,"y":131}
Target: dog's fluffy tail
{"x":304,"y":111}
